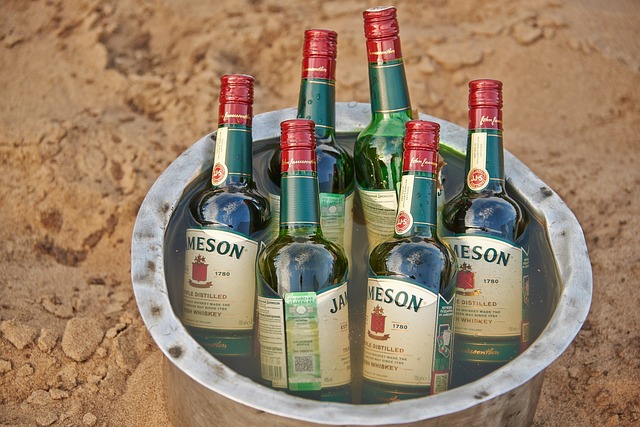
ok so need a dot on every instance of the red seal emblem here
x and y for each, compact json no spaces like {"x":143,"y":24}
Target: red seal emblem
{"x":477,"y":179}
{"x":404,"y":221}
{"x":219,"y":174}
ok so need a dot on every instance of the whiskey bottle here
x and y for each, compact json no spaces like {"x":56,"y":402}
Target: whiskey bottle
{"x":482,"y":224}
{"x":303,"y":321}
{"x":378,"y":147}
{"x":408,"y":344}
{"x":335,"y":166}
{"x":232,"y":218}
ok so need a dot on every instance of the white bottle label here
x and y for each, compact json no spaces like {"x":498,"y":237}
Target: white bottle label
{"x":220,"y":170}
{"x":274,"y":207}
{"x":379,"y":209}
{"x":400,"y":326}
{"x":489,"y":288}
{"x":273,"y":349}
{"x":335,"y":357}
{"x":478,"y":176}
{"x":219,"y":282}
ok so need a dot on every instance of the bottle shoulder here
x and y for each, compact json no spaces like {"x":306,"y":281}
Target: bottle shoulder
{"x":378,"y":161}
{"x":385,"y":125}
{"x":237,"y":208}
{"x":427,"y":261}
{"x":485,"y":213}
{"x":302,"y":264}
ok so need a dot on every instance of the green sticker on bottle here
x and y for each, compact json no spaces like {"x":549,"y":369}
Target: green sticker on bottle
{"x":303,"y":341}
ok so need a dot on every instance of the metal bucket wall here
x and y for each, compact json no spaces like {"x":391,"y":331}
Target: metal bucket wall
{"x":201,"y":391}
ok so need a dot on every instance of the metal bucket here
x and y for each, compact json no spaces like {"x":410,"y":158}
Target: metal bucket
{"x":201,"y":391}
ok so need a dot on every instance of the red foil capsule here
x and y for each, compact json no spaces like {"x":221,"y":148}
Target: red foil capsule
{"x":298,"y":145}
{"x":485,"y":104}
{"x":236,"y":99}
{"x":319,"y":54}
{"x":421,"y":143}
{"x":381,"y":30}
{"x":380,"y":22}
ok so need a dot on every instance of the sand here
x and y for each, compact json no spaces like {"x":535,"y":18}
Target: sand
{"x":98,"y":97}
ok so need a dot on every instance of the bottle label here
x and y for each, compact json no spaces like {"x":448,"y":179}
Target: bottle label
{"x":478,"y":176}
{"x":231,"y":156}
{"x":491,"y":291}
{"x":379,"y":208}
{"x":303,"y":341}
{"x":409,"y":335}
{"x":389,"y":91}
{"x":483,"y":160}
{"x":304,"y":338}
{"x":220,"y":170}
{"x":274,"y":208}
{"x":219,"y":282}
{"x":273,"y":350}
{"x":418,"y":189}
{"x":336,"y":218}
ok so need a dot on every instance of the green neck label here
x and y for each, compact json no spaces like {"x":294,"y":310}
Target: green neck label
{"x":388,"y":86}
{"x":417,"y":203}
{"x":299,"y":200}
{"x":233,"y":154}
{"x":317,"y":103}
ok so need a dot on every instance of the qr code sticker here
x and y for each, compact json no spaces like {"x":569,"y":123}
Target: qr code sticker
{"x":303,"y":364}
{"x":440,"y":382}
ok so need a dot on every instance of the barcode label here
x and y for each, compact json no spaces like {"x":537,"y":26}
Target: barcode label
{"x":440,"y":383}
{"x":272,"y":372}
{"x":304,"y":364}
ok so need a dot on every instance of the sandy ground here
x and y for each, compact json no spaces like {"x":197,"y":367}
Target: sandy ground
{"x":98,"y":97}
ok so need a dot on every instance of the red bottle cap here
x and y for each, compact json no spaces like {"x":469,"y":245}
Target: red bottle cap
{"x":319,"y":54}
{"x":422,"y":134}
{"x":298,"y":145}
{"x":236,"y":88}
{"x":381,"y":30}
{"x":236,"y":100}
{"x":380,"y":22}
{"x":485,"y":93}
{"x":485,"y":104}
{"x":319,"y":42}
{"x":298,"y":133}
{"x":421,"y":142}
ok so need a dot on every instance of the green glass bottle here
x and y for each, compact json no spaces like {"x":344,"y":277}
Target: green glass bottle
{"x":482,"y":225}
{"x":233,"y":219}
{"x":408,"y":344}
{"x":335,"y":166}
{"x":303,"y":324}
{"x":378,"y":147}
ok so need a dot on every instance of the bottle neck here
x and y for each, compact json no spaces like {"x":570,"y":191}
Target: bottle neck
{"x":299,"y":200}
{"x":232,"y":163}
{"x":484,"y":169}
{"x":317,"y":94}
{"x":417,"y":204}
{"x":387,"y":79}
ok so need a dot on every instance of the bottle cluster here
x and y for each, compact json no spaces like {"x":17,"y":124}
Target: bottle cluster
{"x":267,"y":279}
